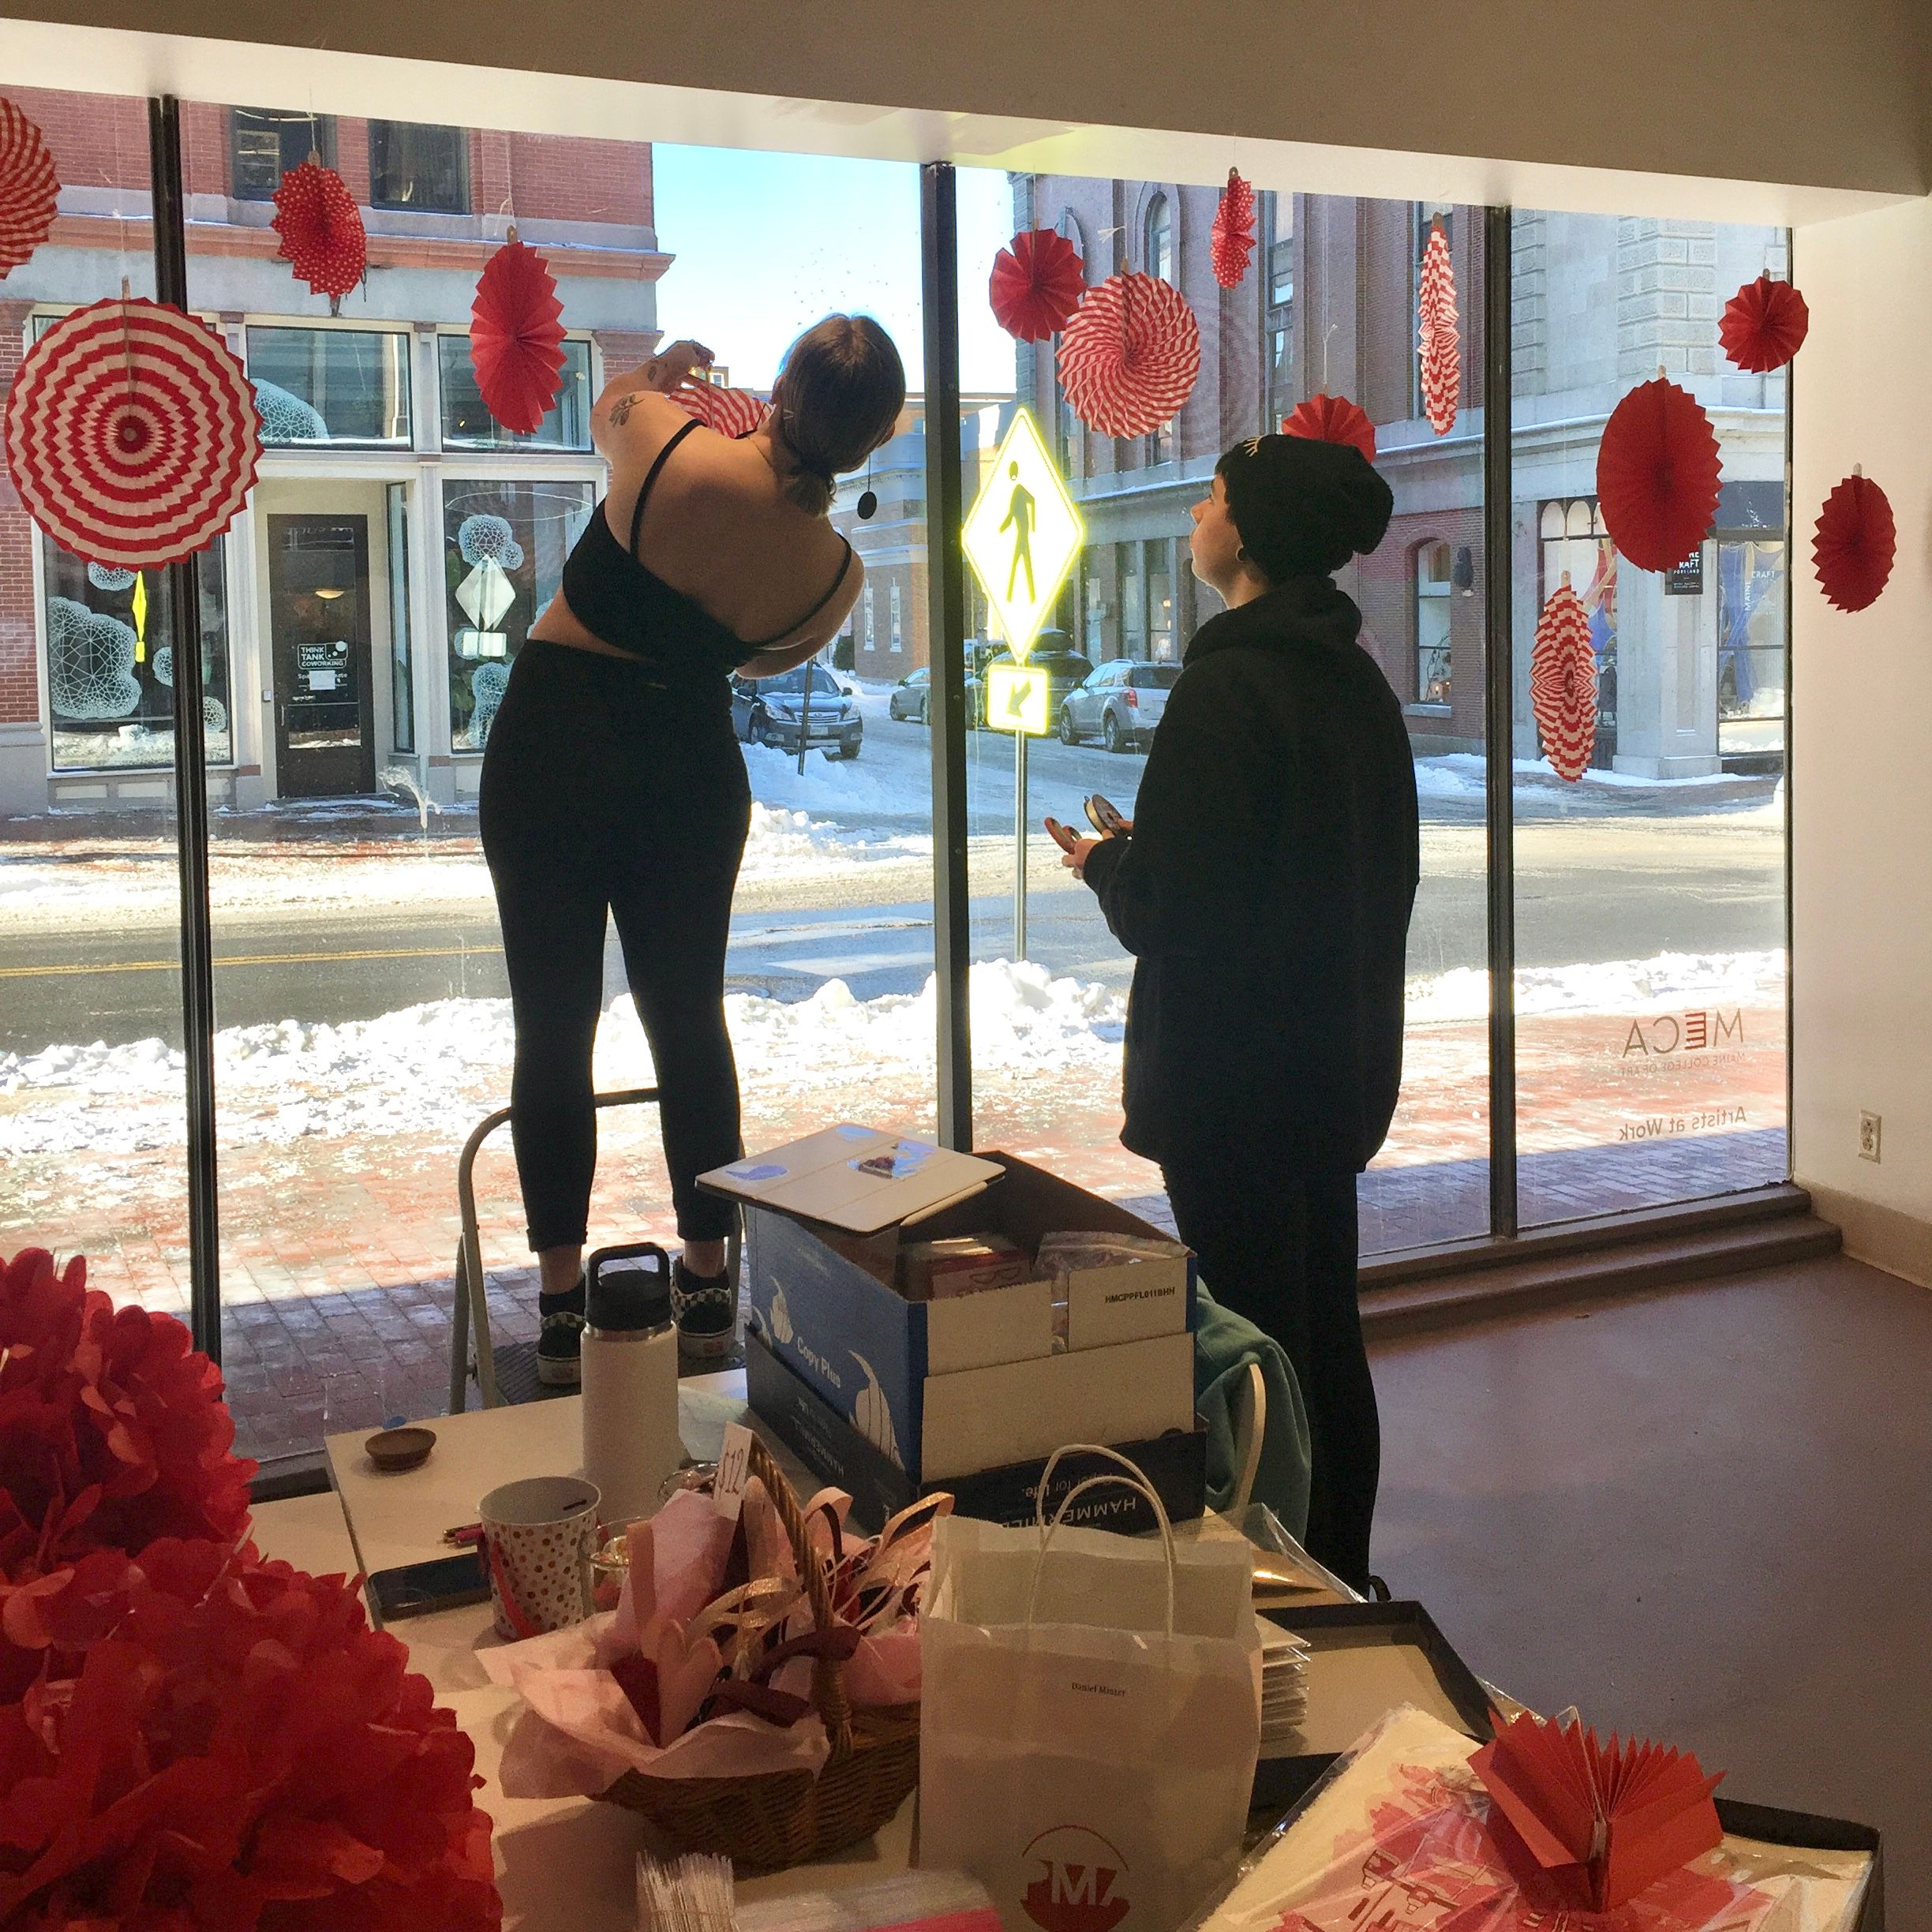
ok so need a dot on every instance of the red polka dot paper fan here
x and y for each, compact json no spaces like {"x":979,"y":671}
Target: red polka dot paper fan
{"x":1233,"y":236}
{"x":1657,"y":475}
{"x":1855,"y":543}
{"x":1037,"y":282}
{"x":731,"y":412}
{"x":1130,"y":355}
{"x":1764,"y":325}
{"x":29,"y":189}
{"x":1332,"y":419}
{"x":132,"y":434}
{"x":323,"y":239}
{"x":516,"y":337}
{"x":1438,"y":339}
{"x":1562,"y":684}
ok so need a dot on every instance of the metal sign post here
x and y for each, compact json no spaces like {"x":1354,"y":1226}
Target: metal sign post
{"x":1020,"y":843}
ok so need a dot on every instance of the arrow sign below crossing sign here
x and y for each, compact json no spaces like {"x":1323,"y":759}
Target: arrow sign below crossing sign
{"x":1022,"y":535}
{"x":1017,"y":699}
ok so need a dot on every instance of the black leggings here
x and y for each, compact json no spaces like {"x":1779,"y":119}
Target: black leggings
{"x":1280,"y":1247}
{"x":601,"y":789}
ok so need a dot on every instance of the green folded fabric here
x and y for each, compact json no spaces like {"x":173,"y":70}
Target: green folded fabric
{"x":1224,"y":1344}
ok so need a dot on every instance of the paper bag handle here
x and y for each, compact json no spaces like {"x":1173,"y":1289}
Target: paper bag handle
{"x":1129,"y":1475}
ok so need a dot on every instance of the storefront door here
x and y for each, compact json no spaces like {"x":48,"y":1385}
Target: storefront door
{"x":319,"y":621}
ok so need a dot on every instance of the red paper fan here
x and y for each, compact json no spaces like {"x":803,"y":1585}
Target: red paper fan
{"x":1855,"y":543}
{"x":731,"y":412}
{"x":132,"y":434}
{"x":1657,"y":472}
{"x":1437,"y":338}
{"x":1562,"y":684}
{"x":1332,"y":419}
{"x":1764,"y":325}
{"x":1037,"y":282}
{"x":29,"y":188}
{"x":516,"y":337}
{"x":1130,"y":355}
{"x":1234,"y":231}
{"x":323,"y":238}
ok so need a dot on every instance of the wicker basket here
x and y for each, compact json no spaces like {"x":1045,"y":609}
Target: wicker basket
{"x":790,"y":1818}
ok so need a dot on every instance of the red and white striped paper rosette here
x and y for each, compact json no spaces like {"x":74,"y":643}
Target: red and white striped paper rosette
{"x":1130,"y":355}
{"x":1562,"y":684}
{"x":29,"y":189}
{"x":731,"y":412}
{"x":1438,"y":337}
{"x":132,"y":434}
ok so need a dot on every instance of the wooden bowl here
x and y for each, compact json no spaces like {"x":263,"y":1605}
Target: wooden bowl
{"x":395,"y":1450}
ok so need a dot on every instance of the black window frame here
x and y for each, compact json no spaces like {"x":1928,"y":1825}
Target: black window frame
{"x":298,"y":136}
{"x":381,"y":132}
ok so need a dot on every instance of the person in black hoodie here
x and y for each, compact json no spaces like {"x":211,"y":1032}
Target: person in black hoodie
{"x":1265,"y":890}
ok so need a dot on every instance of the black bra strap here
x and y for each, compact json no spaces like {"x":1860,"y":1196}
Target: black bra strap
{"x":664,"y":456}
{"x":844,"y":565}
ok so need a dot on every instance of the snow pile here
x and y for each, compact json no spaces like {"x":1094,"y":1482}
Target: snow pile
{"x":1464,"y":775}
{"x":846,"y":788}
{"x":1669,"y":981}
{"x":786,"y":843}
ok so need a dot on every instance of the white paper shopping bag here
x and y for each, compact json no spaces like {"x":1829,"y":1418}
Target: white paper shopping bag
{"x":1087,"y":1733}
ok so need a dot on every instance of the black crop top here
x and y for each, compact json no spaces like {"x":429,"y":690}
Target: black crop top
{"x":618,"y":600}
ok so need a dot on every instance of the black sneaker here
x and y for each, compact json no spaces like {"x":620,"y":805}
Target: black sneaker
{"x":559,"y":1342}
{"x":706,"y":1308}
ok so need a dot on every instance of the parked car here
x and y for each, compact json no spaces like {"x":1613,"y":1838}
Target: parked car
{"x":1120,"y":704}
{"x":911,"y":697}
{"x":1053,"y":653}
{"x":771,"y":711}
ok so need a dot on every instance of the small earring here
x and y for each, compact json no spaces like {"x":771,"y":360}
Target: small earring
{"x":868,"y":497}
{"x":1241,"y":556}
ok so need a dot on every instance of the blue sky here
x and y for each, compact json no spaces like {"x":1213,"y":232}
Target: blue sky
{"x":767,"y":243}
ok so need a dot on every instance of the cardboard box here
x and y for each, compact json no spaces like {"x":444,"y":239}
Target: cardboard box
{"x":827,"y":1303}
{"x":1176,"y":1465}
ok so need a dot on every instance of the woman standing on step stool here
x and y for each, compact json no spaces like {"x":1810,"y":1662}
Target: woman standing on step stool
{"x":612,"y":780}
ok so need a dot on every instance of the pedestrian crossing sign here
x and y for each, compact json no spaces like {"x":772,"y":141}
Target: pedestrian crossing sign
{"x":1022,"y":534}
{"x":1017,"y":699}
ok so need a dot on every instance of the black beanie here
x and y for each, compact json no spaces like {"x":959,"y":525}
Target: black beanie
{"x":1303,"y":508}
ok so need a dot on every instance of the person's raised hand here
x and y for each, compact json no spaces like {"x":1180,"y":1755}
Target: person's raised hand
{"x":681,"y":361}
{"x":1076,"y":860}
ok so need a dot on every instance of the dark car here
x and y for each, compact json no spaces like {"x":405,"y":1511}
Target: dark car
{"x":1053,"y":654}
{"x":1120,"y":704}
{"x":771,"y":711}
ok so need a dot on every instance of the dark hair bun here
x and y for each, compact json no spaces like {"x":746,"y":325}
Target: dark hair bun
{"x":1304,"y":508}
{"x":838,"y":397}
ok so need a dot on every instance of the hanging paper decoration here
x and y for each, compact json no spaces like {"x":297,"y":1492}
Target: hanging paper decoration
{"x":1438,"y":338}
{"x":1037,"y":282}
{"x":29,"y":189}
{"x":1764,"y":324}
{"x":131,"y":433}
{"x":107,"y":577}
{"x":323,"y":239}
{"x":1130,"y":355}
{"x":516,"y":337}
{"x":731,"y":412}
{"x":1855,"y":543}
{"x":1233,"y":235}
{"x":1658,"y":473}
{"x":1332,"y":419}
{"x":1563,"y":683}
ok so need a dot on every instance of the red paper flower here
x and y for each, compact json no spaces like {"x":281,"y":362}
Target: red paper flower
{"x":240,"y":1750}
{"x":1037,"y":282}
{"x":1855,"y":543}
{"x":323,"y":239}
{"x":1130,"y":355}
{"x":29,"y":189}
{"x":516,"y":337}
{"x":1233,"y":235}
{"x":1562,"y":684}
{"x":1764,"y":325}
{"x":1657,"y":472}
{"x":1332,"y":419}
{"x":730,"y":411}
{"x":1437,"y":339}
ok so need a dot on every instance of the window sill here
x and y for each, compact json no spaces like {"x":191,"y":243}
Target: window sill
{"x":1427,"y":710}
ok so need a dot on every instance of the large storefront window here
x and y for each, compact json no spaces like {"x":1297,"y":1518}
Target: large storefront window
{"x":467,"y":423}
{"x":331,"y":385}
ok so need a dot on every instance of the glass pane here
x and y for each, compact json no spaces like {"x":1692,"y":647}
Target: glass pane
{"x":418,"y":167}
{"x":467,"y":423}
{"x":264,"y":143}
{"x":1650,"y":915}
{"x":330,"y":385}
{"x":403,"y":689}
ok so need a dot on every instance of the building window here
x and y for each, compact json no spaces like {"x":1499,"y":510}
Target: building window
{"x":264,"y":143}
{"x":871,"y":633}
{"x":1281,"y":398}
{"x":1433,"y":569}
{"x":420,"y":167}
{"x":331,"y":385}
{"x":1572,"y":542}
{"x":1159,"y":239}
{"x":467,"y":423}
{"x":898,"y":636}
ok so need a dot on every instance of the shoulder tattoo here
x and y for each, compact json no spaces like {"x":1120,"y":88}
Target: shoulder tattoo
{"x":620,"y":410}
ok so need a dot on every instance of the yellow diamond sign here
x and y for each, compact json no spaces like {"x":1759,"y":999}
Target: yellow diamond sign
{"x":1017,"y":699}
{"x":1022,"y":535}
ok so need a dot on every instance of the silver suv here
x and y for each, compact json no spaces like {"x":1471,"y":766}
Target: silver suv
{"x":1119,"y":703}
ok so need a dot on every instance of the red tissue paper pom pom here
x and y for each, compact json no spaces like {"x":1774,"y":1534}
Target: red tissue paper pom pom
{"x":1658,"y":474}
{"x":1130,"y":355}
{"x":1437,"y":340}
{"x":731,"y":413}
{"x":1856,"y":542}
{"x":239,"y":1751}
{"x":516,"y":337}
{"x":323,"y":239}
{"x":1233,"y":236}
{"x":29,"y":189}
{"x":1764,"y":325}
{"x":1332,"y":419}
{"x":1562,"y":684}
{"x":1037,"y":282}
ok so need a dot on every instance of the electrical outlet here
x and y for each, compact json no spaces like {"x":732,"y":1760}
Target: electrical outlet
{"x":1869,"y":1127}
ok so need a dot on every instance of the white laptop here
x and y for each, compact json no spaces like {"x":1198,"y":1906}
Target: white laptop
{"x":861,"y":1179}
